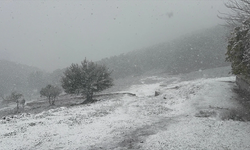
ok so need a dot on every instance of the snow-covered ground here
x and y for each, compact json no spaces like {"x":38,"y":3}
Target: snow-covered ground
{"x":186,"y":115}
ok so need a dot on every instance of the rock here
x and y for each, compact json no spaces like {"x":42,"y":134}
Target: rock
{"x":157,"y":93}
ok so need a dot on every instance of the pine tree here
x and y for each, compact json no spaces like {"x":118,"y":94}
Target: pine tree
{"x":86,"y":79}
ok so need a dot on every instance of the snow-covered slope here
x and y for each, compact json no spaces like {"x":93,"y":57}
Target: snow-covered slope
{"x":186,"y":115}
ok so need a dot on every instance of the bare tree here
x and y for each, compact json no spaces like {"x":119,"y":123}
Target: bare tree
{"x":51,"y":92}
{"x":14,"y":97}
{"x":240,"y":12}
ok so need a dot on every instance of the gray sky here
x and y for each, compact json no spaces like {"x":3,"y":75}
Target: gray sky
{"x":54,"y":34}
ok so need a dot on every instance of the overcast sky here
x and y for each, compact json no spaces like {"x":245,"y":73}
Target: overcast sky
{"x":53,"y":34}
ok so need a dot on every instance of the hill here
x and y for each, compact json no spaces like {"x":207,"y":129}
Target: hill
{"x":13,"y":76}
{"x":24,"y":79}
{"x":201,"y":50}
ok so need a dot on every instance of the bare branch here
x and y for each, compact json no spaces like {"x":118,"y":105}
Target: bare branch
{"x":240,"y":12}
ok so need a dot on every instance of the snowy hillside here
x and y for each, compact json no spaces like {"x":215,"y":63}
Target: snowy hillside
{"x":203,"y":49}
{"x":194,"y":114}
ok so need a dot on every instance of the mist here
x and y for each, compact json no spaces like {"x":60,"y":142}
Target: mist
{"x":54,"y":34}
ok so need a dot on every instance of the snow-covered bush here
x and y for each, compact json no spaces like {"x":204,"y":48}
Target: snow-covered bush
{"x":238,"y":50}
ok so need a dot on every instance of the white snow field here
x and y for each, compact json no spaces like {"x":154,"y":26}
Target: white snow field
{"x":187,"y":115}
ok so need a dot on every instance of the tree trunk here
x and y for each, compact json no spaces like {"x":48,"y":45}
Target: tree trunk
{"x":53,"y":101}
{"x":89,"y":96}
{"x":49,"y":100}
{"x":17,"y":106}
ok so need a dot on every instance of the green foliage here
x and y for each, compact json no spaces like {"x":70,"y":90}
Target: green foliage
{"x":51,"y":92}
{"x":86,"y":79}
{"x":238,"y":52}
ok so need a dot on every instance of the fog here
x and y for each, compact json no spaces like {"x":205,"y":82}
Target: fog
{"x":54,"y":34}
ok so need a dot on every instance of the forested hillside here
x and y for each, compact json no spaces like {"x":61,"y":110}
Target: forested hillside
{"x":13,"y":76}
{"x":24,"y":79}
{"x":201,"y":50}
